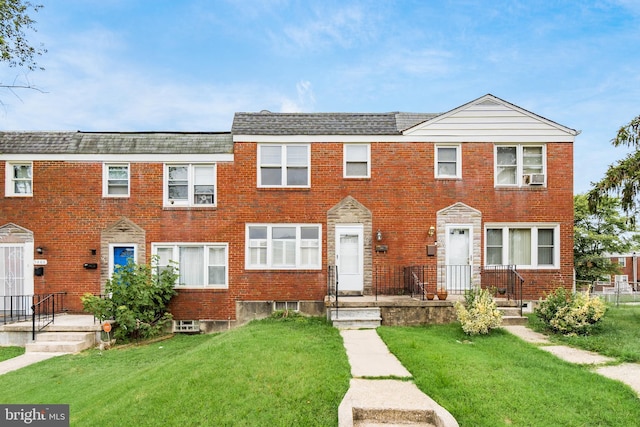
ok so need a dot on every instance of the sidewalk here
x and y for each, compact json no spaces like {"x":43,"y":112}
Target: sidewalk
{"x":628,"y":373}
{"x":380,"y":391}
{"x":25,"y":359}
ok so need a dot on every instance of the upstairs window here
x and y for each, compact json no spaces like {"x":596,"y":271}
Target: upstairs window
{"x":115,"y":182}
{"x":19,"y":179}
{"x":518,"y":165}
{"x":190,"y":185}
{"x":448,"y":161}
{"x":284,"y":165}
{"x":357,"y":161}
{"x":283,"y":246}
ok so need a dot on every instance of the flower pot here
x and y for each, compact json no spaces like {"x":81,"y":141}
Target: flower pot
{"x":430,"y":296}
{"x":442,"y":294}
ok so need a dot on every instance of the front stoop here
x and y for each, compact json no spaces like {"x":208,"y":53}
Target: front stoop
{"x":356,"y":318}
{"x":62,"y":342}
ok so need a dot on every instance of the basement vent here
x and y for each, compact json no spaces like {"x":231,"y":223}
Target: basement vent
{"x":186,"y":326}
{"x":286,"y":305}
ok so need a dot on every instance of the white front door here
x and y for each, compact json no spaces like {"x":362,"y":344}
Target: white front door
{"x":458,"y":257}
{"x":350,"y":258}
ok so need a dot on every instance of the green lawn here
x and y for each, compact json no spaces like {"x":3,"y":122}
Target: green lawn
{"x":10,"y":352}
{"x":499,"y":380}
{"x":294,"y":372}
{"x":290,"y":372}
{"x":617,"y":336}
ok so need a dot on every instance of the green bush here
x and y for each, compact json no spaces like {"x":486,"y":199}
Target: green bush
{"x":479,"y":314}
{"x":570,"y":313}
{"x":136,"y":300}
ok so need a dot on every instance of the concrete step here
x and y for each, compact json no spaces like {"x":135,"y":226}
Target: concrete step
{"x":514,"y":320}
{"x":356,"y":318}
{"x":511,"y":316}
{"x":61,"y":342}
{"x":376,"y":417}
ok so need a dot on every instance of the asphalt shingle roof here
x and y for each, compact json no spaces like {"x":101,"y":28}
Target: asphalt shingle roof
{"x":268,"y":123}
{"x":115,"y":143}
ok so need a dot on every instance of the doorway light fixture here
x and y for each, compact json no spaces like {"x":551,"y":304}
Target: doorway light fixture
{"x":40,"y":249}
{"x":432,"y":231}
{"x":379,"y":235}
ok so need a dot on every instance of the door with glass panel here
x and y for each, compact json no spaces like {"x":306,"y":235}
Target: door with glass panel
{"x":350,"y":258}
{"x":458,"y":258}
{"x":12,"y":278}
{"x":120,"y":255}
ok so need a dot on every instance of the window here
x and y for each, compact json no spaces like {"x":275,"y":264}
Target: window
{"x":283,"y":246}
{"x":115,"y":181}
{"x":200,"y":265}
{"x":357,"y":160}
{"x":284,"y":166}
{"x":520,"y":165}
{"x":622,"y":262}
{"x":190,"y":185}
{"x":523,"y":246}
{"x":448,"y":162}
{"x":18,"y":180}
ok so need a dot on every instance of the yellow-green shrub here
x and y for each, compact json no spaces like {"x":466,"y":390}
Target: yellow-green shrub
{"x":479,"y":314}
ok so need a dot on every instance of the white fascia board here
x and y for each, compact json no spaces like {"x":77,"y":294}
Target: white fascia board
{"x":134,"y":158}
{"x":284,"y":139}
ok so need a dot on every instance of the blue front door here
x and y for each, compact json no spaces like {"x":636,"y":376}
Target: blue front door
{"x":122,"y":255}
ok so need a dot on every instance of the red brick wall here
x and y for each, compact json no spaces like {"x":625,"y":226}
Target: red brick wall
{"x":68,"y":212}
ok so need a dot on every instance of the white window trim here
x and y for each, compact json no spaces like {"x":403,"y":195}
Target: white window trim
{"x":176,"y":245}
{"x":519,"y":165}
{"x":344,"y":162}
{"x":9,"y":188}
{"x":269,"y":248}
{"x":534,"y":243}
{"x":105,"y":180}
{"x":458,"y":174}
{"x":190,"y":183}
{"x":283,"y":165}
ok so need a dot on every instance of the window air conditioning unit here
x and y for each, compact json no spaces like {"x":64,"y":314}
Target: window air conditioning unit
{"x":533,"y":179}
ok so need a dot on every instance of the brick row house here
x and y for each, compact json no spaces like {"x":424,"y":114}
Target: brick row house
{"x":259,"y":216}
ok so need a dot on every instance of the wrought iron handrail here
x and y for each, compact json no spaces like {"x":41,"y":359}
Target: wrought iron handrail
{"x":43,"y":311}
{"x":506,"y":281}
{"x":332,"y":286}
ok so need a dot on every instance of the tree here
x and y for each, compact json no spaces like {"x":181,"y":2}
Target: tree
{"x":607,"y":230}
{"x":14,"y":47}
{"x":622,"y":178}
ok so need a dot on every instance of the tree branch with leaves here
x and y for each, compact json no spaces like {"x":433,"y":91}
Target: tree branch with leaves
{"x":623,"y":177}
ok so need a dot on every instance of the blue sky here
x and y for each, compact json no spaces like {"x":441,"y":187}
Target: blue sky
{"x":188,"y":65}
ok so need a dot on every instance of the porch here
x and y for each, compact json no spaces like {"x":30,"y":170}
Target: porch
{"x":408,"y":295}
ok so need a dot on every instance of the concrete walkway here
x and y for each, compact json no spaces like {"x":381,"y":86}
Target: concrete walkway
{"x":628,"y":373}
{"x":25,"y":359}
{"x":380,"y":391}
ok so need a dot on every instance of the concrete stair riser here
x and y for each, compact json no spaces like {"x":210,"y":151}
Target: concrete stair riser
{"x":62,"y":342}
{"x":356,"y":318}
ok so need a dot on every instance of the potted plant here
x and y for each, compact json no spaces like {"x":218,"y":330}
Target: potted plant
{"x":442,"y":293}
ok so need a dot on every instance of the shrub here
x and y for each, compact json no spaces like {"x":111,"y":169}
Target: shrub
{"x":479,"y":314}
{"x":136,"y":300}
{"x":566,"y":313}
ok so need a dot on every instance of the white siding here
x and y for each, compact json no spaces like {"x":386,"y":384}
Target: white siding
{"x":489,"y":120}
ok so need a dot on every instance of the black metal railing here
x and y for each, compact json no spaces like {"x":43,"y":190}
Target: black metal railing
{"x":332,"y":287}
{"x":16,"y":308}
{"x":44,"y":309}
{"x":420,"y":280}
{"x":505,"y":281}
